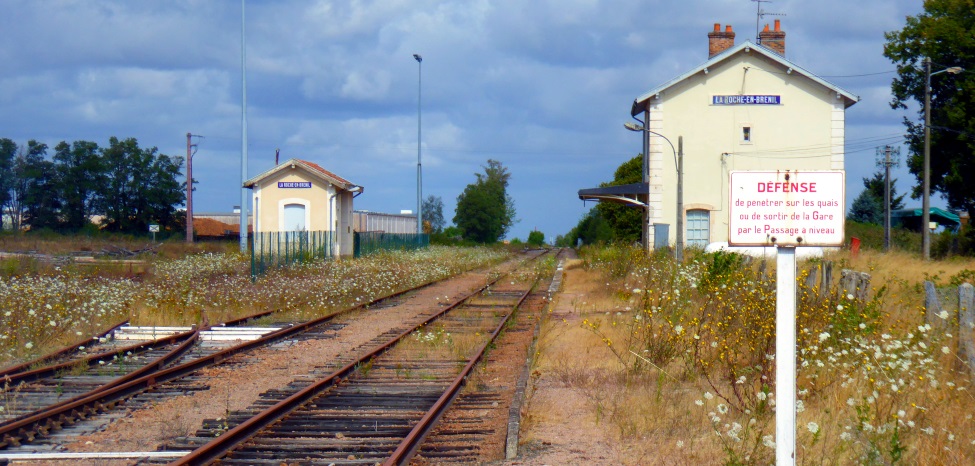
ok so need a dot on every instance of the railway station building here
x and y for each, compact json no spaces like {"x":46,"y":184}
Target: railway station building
{"x":747,"y":107}
{"x":298,"y":195}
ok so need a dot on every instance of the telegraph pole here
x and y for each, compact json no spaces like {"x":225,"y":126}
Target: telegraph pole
{"x":887,"y":157}
{"x":190,"y":152}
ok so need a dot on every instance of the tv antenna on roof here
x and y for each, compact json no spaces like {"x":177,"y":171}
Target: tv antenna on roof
{"x":759,"y":14}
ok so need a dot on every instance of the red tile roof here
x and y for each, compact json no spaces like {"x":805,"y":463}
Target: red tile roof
{"x":325,"y":172}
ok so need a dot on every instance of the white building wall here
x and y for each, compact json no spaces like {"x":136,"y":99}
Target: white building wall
{"x":804,"y":132}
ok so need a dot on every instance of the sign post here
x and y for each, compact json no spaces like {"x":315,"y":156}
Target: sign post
{"x":786,"y":209}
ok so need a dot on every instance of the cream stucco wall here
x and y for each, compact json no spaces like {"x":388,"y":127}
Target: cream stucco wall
{"x":324,"y":210}
{"x":269,"y":201}
{"x":804,"y":132}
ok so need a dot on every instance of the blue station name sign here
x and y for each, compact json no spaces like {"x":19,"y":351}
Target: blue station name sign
{"x":294,"y":184}
{"x":746,"y":100}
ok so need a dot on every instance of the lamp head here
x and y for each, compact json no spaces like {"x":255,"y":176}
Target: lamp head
{"x":417,"y":57}
{"x":632,"y":126}
{"x":955,"y":70}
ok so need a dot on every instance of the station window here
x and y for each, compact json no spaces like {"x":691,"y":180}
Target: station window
{"x":698,"y":228}
{"x":746,"y":133}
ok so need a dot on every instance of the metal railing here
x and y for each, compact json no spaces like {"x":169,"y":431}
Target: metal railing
{"x":368,"y":242}
{"x":281,"y":248}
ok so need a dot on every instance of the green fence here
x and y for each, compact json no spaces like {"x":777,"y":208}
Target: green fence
{"x":368,"y":242}
{"x":281,"y":248}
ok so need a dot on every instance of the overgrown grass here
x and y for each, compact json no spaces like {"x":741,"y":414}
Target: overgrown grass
{"x":695,"y":341}
{"x":49,"y":306}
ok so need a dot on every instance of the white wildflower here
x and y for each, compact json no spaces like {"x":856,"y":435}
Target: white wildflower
{"x":813,"y":427}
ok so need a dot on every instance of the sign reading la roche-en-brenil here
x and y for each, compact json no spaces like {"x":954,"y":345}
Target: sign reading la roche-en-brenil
{"x":786,"y":208}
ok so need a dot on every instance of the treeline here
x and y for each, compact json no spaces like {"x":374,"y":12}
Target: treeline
{"x":125,"y":187}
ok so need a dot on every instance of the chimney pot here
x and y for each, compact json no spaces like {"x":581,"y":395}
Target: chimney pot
{"x":719,"y":41}
{"x":775,"y":39}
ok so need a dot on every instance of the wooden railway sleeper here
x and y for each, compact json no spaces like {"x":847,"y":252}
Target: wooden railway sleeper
{"x":10,"y":441}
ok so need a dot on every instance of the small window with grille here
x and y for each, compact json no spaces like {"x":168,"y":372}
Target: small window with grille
{"x":698,"y":228}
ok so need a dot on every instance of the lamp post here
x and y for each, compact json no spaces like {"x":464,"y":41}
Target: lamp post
{"x":190,"y":152}
{"x":679,"y":166}
{"x":419,"y":171}
{"x":243,"y":131}
{"x":926,"y":191}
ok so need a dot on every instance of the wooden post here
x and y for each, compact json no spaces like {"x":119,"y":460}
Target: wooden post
{"x":966,"y":324}
{"x":932,"y":306}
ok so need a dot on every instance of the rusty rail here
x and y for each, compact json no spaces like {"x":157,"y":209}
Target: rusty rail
{"x":408,"y":447}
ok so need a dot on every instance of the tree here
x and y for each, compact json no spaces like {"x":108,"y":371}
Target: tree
{"x":81,"y":174}
{"x":592,"y":228}
{"x":536,"y":238}
{"x":624,"y":220}
{"x":8,"y":152}
{"x":485,"y":212}
{"x":945,"y":34}
{"x":876,"y":187}
{"x":433,"y":214}
{"x":867,"y":208}
{"x":141,"y":187}
{"x":31,"y":198}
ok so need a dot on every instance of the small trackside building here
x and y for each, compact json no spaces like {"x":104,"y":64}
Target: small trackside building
{"x":746,"y":108}
{"x":298,"y":195}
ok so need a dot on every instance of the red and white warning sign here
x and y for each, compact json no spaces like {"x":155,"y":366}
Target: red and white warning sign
{"x":786,"y":208}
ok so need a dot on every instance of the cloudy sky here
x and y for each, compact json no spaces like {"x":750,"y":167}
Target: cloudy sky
{"x":542,"y":86}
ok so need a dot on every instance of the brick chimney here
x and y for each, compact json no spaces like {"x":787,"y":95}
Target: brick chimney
{"x":720,"y":41}
{"x":774,"y":39}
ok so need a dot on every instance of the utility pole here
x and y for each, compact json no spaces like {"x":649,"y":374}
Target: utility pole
{"x":926,"y":190}
{"x":890,"y":157}
{"x":679,"y":247}
{"x":190,"y":152}
{"x":887,"y":199}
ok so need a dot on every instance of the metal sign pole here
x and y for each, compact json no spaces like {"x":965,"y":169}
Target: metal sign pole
{"x":785,"y":357}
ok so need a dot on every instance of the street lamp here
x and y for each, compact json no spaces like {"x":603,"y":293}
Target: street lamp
{"x":926,"y":192}
{"x":419,"y":172}
{"x":679,"y":165}
{"x":190,"y":152}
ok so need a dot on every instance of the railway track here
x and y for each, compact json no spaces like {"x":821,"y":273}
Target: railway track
{"x":120,"y":355}
{"x":378,"y":407}
{"x":165,"y":362}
